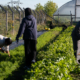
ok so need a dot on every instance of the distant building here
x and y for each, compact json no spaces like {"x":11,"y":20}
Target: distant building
{"x":66,"y":10}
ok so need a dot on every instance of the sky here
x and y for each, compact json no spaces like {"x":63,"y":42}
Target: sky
{"x":32,"y":3}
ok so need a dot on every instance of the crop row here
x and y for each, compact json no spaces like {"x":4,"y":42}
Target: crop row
{"x":11,"y":64}
{"x":55,"y":60}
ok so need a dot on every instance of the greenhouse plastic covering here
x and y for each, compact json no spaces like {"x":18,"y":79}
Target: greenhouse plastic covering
{"x":71,"y":7}
{"x":66,"y":9}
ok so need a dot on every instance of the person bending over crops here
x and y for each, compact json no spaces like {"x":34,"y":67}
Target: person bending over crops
{"x":64,"y":26}
{"x":51,"y":25}
{"x":28,"y":28}
{"x":75,"y":37}
{"x":4,"y":44}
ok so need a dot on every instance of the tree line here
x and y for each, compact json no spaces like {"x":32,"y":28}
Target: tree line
{"x":50,"y":7}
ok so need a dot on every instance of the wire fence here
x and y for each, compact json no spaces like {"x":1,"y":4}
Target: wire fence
{"x":11,"y":17}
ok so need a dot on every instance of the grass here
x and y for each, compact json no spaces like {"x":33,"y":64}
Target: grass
{"x":55,"y":60}
{"x":52,"y":46}
{"x":76,"y":73}
{"x":11,"y":67}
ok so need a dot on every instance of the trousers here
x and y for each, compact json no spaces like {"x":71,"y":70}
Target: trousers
{"x":75,"y":47}
{"x":30,"y":51}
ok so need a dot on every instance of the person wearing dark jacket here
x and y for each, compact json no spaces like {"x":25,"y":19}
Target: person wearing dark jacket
{"x":64,"y":27}
{"x":28,"y":28}
{"x":75,"y":37}
{"x":51,"y":25}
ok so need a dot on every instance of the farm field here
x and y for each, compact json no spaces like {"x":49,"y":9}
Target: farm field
{"x":55,"y":59}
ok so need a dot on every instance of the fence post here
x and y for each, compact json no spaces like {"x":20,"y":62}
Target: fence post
{"x":7,"y":21}
{"x":42,"y":17}
{"x":22,"y":11}
{"x":36,"y":16}
{"x":12,"y":19}
{"x":13,"y":22}
{"x":6,"y":17}
{"x":58,"y":18}
{"x":19,"y":14}
{"x":71,"y":19}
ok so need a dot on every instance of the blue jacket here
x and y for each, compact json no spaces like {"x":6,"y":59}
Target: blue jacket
{"x":28,"y":28}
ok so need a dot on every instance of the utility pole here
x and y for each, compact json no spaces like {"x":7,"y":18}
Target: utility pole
{"x":15,"y":2}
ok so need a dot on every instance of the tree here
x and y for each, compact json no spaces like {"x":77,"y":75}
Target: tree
{"x":39,"y":7}
{"x":50,"y":8}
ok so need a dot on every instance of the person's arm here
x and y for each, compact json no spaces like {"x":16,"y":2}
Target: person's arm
{"x":7,"y":50}
{"x":1,"y":49}
{"x":21,"y":29}
{"x":8,"y":53}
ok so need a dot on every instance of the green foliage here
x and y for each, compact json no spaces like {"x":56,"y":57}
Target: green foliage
{"x":55,"y":58}
{"x":47,"y":37}
{"x":50,"y":7}
{"x":12,"y":63}
{"x":39,"y":7}
{"x":55,"y":61}
{"x":9,"y":64}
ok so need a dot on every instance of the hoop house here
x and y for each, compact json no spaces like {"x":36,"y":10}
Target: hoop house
{"x":69,"y":11}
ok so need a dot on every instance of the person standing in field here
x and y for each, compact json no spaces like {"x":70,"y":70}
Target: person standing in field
{"x":28,"y":28}
{"x":75,"y":37}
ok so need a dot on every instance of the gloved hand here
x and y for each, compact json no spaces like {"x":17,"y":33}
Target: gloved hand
{"x":17,"y":40}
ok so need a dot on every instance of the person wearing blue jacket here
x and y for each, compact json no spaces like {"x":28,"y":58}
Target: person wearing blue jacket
{"x":75,"y":37}
{"x":28,"y":28}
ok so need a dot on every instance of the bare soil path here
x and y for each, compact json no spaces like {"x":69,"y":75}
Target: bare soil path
{"x":21,"y":42}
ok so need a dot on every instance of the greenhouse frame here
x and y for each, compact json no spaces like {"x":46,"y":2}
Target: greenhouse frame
{"x":69,"y":12}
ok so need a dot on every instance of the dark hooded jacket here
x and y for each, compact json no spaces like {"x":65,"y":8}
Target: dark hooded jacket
{"x":76,"y":32}
{"x":28,"y":28}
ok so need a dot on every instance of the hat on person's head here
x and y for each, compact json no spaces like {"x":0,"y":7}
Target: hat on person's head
{"x":28,"y":11}
{"x":8,"y":41}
